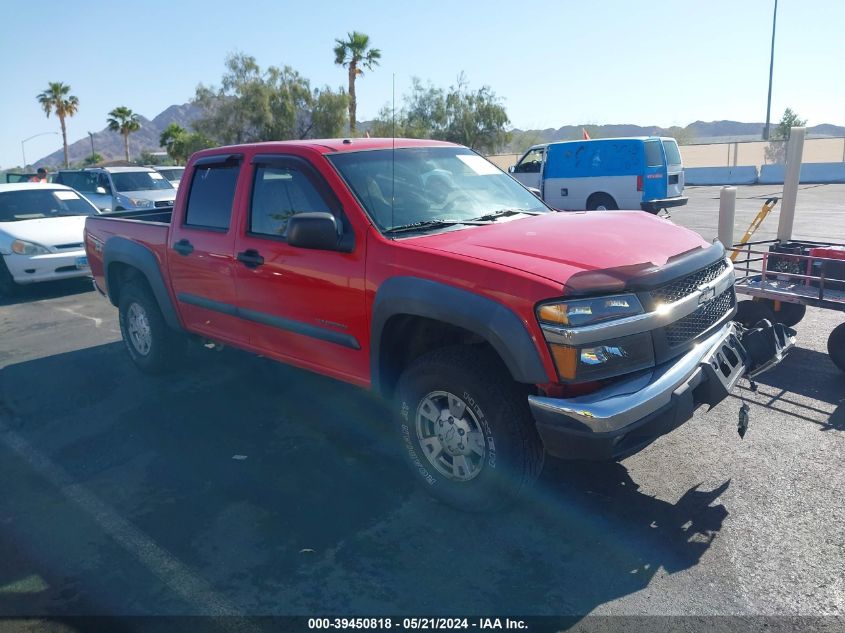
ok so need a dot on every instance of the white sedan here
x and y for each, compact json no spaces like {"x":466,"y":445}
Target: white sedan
{"x":41,"y":229}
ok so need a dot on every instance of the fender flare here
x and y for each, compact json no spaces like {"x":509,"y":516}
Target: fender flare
{"x":492,"y":321}
{"x":125,"y":251}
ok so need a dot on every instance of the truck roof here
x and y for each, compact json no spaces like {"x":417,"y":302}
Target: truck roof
{"x":334,"y":145}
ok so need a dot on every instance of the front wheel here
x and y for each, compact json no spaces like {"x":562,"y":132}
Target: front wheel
{"x":152,"y":345}
{"x":7,"y":282}
{"x":789,"y":314}
{"x":466,"y":430}
{"x":836,"y":346}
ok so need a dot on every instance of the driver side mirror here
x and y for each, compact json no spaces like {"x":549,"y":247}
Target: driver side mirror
{"x":512,"y":169}
{"x":100,"y":190}
{"x":316,"y":230}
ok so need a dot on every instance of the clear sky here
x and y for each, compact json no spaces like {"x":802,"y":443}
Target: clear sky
{"x":648,"y":62}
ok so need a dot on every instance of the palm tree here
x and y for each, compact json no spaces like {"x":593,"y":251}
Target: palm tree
{"x":56,"y":98}
{"x":170,"y":139}
{"x":123,"y":120}
{"x":354,"y":54}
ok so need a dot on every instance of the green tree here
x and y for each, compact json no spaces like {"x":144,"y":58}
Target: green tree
{"x":168,"y":140}
{"x":57,"y":98}
{"x":253,"y":105}
{"x":355,"y":54}
{"x":124,"y":121}
{"x":776,"y":149}
{"x":328,"y":115}
{"x":191,"y":142}
{"x":93,"y":159}
{"x":474,"y":118}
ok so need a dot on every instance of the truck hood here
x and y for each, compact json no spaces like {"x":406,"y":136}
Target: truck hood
{"x":151,"y":194}
{"x":559,"y":245}
{"x":46,"y":231}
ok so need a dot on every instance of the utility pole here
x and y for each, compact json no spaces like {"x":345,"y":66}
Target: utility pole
{"x":771,"y":69}
{"x":93,"y":153}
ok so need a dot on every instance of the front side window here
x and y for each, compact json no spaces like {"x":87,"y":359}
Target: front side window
{"x":139,"y":181}
{"x":279,"y":193}
{"x":83,"y":181}
{"x":423,"y":185}
{"x":531,"y":162}
{"x":211,"y":195}
{"x":42,"y":203}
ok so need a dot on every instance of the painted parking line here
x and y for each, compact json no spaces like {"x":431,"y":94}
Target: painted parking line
{"x":174,"y":574}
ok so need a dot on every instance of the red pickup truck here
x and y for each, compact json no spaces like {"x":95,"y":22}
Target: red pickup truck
{"x":500,"y":329}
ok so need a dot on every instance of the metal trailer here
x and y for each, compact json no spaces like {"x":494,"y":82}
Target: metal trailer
{"x":784,"y":276}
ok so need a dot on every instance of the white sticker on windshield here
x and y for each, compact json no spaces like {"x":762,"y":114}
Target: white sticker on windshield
{"x":156,"y":176}
{"x":66,"y":195}
{"x":479,"y":165}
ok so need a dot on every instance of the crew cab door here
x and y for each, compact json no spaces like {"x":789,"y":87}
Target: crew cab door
{"x":201,"y":251}
{"x":302,"y":306}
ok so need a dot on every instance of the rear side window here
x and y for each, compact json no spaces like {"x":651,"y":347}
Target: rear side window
{"x":211,"y":195}
{"x":673,"y":156}
{"x":653,"y":155}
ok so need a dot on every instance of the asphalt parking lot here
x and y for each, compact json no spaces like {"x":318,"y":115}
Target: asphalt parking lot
{"x":240,"y":487}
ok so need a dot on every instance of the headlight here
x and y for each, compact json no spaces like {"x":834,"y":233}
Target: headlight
{"x":141,"y":202}
{"x":606,"y":359}
{"x":28,"y":248}
{"x":581,"y":312}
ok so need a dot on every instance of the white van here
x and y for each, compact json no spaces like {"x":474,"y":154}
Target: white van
{"x":610,"y":173}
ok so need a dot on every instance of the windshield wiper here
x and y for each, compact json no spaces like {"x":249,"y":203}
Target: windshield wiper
{"x":426,"y":224}
{"x":502,"y":213}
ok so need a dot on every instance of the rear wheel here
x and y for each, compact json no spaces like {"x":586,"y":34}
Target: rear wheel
{"x":7,"y":283}
{"x":152,"y":345}
{"x":749,"y":313}
{"x":836,"y":346}
{"x":601,"y":202}
{"x":787,"y":313}
{"x":466,"y":429}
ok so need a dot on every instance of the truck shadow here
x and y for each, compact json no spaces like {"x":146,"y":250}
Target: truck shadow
{"x":285,"y":492}
{"x":47,"y":290}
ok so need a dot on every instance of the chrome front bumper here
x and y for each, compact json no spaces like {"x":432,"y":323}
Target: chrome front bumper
{"x":652,"y":402}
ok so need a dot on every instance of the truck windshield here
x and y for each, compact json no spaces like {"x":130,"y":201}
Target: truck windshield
{"x":431,"y":187}
{"x":42,"y":203}
{"x":139,"y":181}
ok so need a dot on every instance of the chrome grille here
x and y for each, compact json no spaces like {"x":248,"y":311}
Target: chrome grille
{"x":163,"y":203}
{"x":692,"y":325}
{"x":64,"y":247}
{"x":680,"y":288}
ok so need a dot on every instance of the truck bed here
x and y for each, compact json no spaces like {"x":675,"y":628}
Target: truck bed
{"x":147,"y":227}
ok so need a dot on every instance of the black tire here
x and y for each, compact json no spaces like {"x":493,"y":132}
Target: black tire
{"x":836,"y":346}
{"x":601,"y":202}
{"x":495,"y":420}
{"x":789,"y":313}
{"x":8,"y":287}
{"x":749,"y":313}
{"x":159,"y":347}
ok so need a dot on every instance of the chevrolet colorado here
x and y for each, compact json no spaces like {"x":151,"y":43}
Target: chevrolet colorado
{"x":500,"y":329}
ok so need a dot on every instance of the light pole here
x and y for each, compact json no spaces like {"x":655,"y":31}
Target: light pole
{"x":93,"y":153}
{"x":771,"y":68}
{"x":23,"y":153}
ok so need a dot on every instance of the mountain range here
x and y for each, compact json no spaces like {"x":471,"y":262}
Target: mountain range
{"x":110,"y":144}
